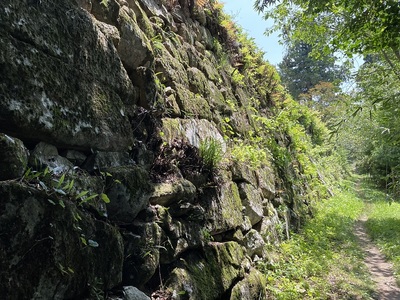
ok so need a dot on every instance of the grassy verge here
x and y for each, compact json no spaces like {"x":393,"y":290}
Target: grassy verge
{"x":383,"y":224}
{"x":323,"y":261}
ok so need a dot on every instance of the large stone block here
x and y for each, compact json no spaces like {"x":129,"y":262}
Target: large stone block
{"x":61,"y":79}
{"x":210,"y":275}
{"x":252,"y":287}
{"x":52,"y":251}
{"x":129,"y":190}
{"x":13,"y":157}
{"x":252,"y":201}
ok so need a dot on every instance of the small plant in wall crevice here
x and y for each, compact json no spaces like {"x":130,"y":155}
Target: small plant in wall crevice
{"x":210,"y":151}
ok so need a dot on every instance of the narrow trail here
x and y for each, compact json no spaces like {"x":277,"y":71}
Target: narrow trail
{"x":380,"y":269}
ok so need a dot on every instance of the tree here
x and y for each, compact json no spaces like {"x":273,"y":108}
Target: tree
{"x":300,"y":72}
{"x":328,"y":100}
{"x":351,"y":26}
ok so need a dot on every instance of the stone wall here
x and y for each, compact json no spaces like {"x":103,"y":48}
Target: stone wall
{"x":103,"y":108}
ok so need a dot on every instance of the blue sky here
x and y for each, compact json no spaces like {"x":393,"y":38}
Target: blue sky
{"x":253,"y":23}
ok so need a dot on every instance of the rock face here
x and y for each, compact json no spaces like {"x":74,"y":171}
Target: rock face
{"x":51,"y":250}
{"x":13,"y":157}
{"x":74,"y":89}
{"x":105,"y":108}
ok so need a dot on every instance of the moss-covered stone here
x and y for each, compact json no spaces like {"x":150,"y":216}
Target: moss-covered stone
{"x":106,"y":11}
{"x":168,"y":193}
{"x":82,"y":105}
{"x":192,"y":106}
{"x":197,"y":81}
{"x":171,"y":70}
{"x":191,"y":131}
{"x":209,"y":275}
{"x":223,"y":207}
{"x":134,"y":47}
{"x":142,"y":256}
{"x":51,"y":250}
{"x":13,"y":157}
{"x":253,"y":286}
{"x":129,"y":190}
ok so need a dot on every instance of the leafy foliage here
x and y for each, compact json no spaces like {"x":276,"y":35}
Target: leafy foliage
{"x":354,"y":27}
{"x":376,"y":105}
{"x":300,"y":72}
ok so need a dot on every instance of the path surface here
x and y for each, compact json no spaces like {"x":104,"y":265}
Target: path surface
{"x":380,"y":269}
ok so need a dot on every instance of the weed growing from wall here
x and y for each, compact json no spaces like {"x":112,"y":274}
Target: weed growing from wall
{"x":211,"y":153}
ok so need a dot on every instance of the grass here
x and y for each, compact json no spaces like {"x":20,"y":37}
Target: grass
{"x":324,"y":260}
{"x":383,"y":224}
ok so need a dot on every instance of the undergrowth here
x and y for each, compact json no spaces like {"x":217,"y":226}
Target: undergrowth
{"x":324,"y":260}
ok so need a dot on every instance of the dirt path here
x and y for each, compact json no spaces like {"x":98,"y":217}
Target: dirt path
{"x":380,"y":269}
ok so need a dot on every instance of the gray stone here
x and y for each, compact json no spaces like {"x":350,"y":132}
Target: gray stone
{"x":171,"y":192}
{"x":266,"y":179}
{"x":242,"y":172}
{"x":271,"y":227}
{"x":42,"y":254}
{"x":129,"y":194}
{"x":252,"y":201}
{"x":61,"y":79}
{"x":85,"y":4}
{"x":13,"y":157}
{"x":134,"y":47}
{"x":132,"y":293}
{"x":253,"y":286}
{"x":110,"y":31}
{"x":254,"y":243}
{"x":142,"y":252}
{"x":192,"y":131}
{"x":76,"y":157}
{"x":102,"y":160}
{"x":45,"y":155}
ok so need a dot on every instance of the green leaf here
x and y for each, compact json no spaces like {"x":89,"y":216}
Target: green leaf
{"x":105,"y":198}
{"x":91,"y":197}
{"x":51,"y":201}
{"x":81,"y":194}
{"x":83,"y":240}
{"x":46,"y":171}
{"x":60,"y":182}
{"x":68,"y":186}
{"x":61,"y":203}
{"x":88,"y":199}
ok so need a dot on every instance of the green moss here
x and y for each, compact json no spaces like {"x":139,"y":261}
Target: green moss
{"x":252,"y":287}
{"x":209,"y":275}
{"x":192,"y":105}
{"x":231,"y":206}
